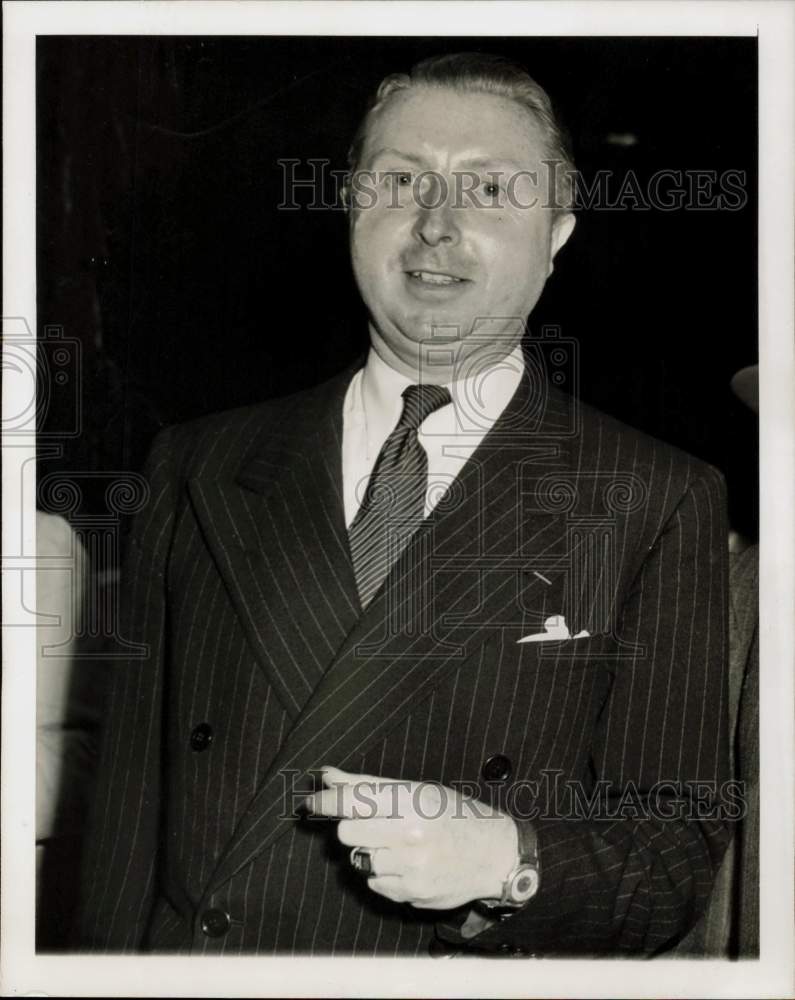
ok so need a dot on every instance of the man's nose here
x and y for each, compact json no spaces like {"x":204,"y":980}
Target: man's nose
{"x":436,"y":222}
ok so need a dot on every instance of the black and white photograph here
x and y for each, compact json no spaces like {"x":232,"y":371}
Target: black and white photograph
{"x":398,"y":458}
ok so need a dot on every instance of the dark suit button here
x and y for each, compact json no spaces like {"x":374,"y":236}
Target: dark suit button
{"x":201,"y":737}
{"x":215,"y":923}
{"x":497,"y":768}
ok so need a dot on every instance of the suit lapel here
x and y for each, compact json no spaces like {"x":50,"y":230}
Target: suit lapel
{"x":453,"y":590}
{"x":277,"y":534}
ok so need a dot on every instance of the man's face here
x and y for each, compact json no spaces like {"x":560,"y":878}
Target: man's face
{"x":450,"y":240}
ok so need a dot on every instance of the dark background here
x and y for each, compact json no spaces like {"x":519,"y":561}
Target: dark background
{"x":161,"y":249}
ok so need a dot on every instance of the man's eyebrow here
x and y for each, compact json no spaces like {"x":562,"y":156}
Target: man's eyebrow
{"x":399,"y":154}
{"x":493,"y":162}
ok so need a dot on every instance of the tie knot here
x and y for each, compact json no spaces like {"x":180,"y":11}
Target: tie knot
{"x":419,"y":402}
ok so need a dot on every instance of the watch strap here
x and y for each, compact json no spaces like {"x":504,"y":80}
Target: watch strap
{"x":527,"y":849}
{"x":528,"y":843}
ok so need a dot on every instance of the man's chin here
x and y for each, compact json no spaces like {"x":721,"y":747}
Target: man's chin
{"x":436,"y":329}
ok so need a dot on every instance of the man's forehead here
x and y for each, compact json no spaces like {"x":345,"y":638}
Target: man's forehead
{"x":479,"y":129}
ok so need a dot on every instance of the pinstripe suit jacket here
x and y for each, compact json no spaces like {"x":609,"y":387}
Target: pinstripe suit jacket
{"x":239,"y":581}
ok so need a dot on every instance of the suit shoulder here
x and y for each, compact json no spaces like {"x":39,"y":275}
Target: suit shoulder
{"x":210,"y":437}
{"x":627,"y":449}
{"x":223,"y":440}
{"x":220,"y":442}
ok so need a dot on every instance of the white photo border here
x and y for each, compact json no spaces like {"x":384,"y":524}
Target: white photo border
{"x":773,"y":974}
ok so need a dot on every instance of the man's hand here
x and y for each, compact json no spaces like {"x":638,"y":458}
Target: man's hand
{"x":431,"y":846}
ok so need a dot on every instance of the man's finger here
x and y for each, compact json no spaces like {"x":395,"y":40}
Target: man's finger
{"x":336,"y":776}
{"x":380,"y":831}
{"x":359,"y":796}
{"x":343,"y":801}
{"x":364,"y":800}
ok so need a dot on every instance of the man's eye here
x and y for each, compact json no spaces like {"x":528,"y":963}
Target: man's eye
{"x":399,"y":178}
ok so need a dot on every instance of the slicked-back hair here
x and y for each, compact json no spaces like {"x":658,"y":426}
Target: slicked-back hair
{"x":480,"y":73}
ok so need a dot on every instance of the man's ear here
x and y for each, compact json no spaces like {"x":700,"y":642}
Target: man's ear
{"x":562,"y":229}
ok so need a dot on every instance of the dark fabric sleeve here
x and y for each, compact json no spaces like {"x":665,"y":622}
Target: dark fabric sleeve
{"x":629,"y":878}
{"x":119,"y":858}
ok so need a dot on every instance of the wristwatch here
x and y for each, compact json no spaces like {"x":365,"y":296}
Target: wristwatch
{"x":524,"y":878}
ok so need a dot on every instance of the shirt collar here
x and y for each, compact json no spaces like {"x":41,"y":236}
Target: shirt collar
{"x":478,"y":400}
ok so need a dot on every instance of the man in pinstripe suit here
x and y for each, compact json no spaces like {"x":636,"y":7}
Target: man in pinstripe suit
{"x":508,"y":687}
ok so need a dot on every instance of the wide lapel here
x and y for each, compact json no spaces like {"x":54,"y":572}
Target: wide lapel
{"x":277,"y":534}
{"x":431,"y":616}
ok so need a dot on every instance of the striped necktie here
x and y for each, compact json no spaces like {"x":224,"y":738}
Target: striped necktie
{"x":394,"y":501}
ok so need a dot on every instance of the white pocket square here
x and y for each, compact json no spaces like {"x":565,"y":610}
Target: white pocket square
{"x":556,"y":629}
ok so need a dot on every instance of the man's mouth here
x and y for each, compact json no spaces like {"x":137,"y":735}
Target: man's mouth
{"x":435,"y":278}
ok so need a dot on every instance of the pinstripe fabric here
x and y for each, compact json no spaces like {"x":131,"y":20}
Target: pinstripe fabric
{"x":394,"y":503}
{"x":240,"y":578}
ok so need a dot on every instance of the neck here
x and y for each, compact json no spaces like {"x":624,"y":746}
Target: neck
{"x":424,"y":367}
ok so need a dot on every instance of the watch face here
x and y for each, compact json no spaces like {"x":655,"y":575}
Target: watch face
{"x":524,"y":884}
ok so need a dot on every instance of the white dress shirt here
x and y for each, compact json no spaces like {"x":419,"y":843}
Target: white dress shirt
{"x":372,"y":408}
